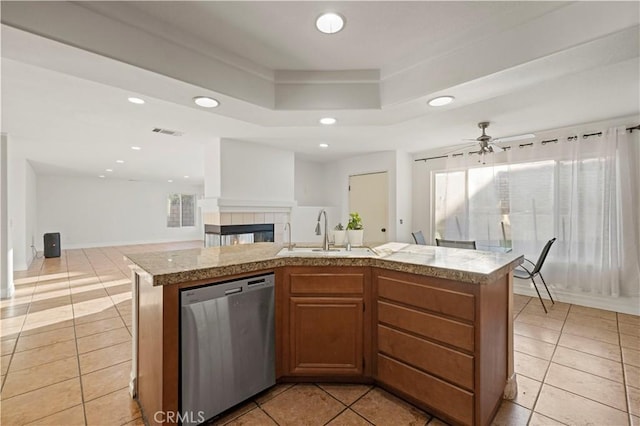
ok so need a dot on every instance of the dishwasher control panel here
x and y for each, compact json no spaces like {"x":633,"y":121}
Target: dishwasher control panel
{"x":226,"y":288}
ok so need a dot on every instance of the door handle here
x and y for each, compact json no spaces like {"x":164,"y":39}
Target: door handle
{"x":233,"y":291}
{"x":384,"y":230}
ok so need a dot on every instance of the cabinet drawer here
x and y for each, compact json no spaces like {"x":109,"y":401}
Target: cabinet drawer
{"x":326,"y":283}
{"x":427,"y":325}
{"x":443,"y":362}
{"x":435,"y":393}
{"x":435,"y":299}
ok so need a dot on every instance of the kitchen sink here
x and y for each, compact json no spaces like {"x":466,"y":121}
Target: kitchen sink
{"x":333,"y":252}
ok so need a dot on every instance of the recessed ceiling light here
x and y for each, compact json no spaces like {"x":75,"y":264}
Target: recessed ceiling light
{"x":136,"y":148}
{"x":327,"y":121}
{"x":206,"y":102}
{"x":120,"y":161}
{"x":186,"y":177}
{"x":324,"y":145}
{"x":330,"y":23}
{"x":441,"y":100}
{"x":101,"y":176}
{"x":136,"y":100}
{"x":108,"y":170}
{"x":170,"y":181}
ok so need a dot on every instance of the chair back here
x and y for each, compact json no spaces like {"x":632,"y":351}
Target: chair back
{"x":543,"y":256}
{"x":419,"y":238}
{"x":456,"y":244}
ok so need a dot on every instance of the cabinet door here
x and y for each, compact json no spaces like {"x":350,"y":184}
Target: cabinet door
{"x":326,"y":335}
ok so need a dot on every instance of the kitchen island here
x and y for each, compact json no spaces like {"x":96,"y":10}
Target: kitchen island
{"x":433,"y":325}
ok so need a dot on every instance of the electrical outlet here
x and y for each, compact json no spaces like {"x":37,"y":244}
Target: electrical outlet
{"x":401,"y":221}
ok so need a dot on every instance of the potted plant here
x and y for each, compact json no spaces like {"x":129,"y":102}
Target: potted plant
{"x":339,"y":235}
{"x":355,"y":229}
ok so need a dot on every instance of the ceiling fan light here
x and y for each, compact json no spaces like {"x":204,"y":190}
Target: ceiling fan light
{"x":441,"y":101}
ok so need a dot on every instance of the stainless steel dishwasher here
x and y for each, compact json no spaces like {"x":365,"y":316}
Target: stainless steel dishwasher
{"x":227,"y":345}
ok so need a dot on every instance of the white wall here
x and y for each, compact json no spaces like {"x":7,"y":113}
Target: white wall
{"x":22,"y":205}
{"x":421,"y":205}
{"x":255,"y":172}
{"x":310,"y":186}
{"x":31,"y":211}
{"x":635,"y":137}
{"x":404,"y":186}
{"x":397,"y":165}
{"x":91,"y":212}
{"x":212,"y":184}
{"x":6,"y":252}
{"x":303,"y":223}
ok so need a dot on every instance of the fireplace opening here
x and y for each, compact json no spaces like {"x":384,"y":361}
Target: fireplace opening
{"x":228,"y":235}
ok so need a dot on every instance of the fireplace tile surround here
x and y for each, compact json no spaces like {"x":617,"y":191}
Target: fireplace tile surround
{"x":278,"y":219}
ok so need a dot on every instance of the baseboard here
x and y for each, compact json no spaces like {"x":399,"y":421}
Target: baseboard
{"x":67,"y":246}
{"x":625,"y":305}
{"x":7,"y":293}
{"x":22,"y":266}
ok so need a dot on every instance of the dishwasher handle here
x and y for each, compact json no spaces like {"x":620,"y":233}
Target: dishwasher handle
{"x":233,"y":291}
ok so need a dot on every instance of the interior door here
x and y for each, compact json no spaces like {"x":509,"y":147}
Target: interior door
{"x":369,"y":196}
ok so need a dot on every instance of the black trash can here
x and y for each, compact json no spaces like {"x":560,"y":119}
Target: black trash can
{"x":52,"y":244}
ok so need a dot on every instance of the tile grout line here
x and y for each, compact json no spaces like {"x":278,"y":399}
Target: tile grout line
{"x":122,"y":319}
{"x":624,"y":374}
{"x":362,"y":396}
{"x":584,"y":397}
{"x":84,"y":411}
{"x":345,"y":406}
{"x":546,"y":373}
{"x":115,"y":305}
{"x":573,"y":393}
{"x":531,"y":410}
{"x":51,"y":384}
{"x":15,"y":345}
{"x":259,"y":405}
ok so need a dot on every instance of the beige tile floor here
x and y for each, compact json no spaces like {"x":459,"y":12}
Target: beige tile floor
{"x":66,"y":357}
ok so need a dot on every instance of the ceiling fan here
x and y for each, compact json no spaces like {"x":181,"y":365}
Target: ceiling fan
{"x":487,"y":143}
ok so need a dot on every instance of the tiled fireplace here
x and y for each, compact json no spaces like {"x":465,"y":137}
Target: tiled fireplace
{"x":227,"y":235}
{"x":229,"y":228}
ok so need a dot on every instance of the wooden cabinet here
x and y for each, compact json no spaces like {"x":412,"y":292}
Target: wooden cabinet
{"x":325,"y":324}
{"x":442,"y":343}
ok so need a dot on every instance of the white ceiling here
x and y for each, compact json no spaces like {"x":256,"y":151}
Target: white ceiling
{"x":67,"y":69}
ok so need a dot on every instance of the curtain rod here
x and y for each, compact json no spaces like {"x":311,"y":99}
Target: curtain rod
{"x":544,"y":142}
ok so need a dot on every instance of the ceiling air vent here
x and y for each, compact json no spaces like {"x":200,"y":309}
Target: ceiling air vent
{"x":167,"y":131}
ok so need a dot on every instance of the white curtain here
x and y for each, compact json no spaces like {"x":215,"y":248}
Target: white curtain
{"x":598,"y":242}
{"x":584,"y":192}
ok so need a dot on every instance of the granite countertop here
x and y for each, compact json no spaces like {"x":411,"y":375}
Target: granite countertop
{"x":174,"y":267}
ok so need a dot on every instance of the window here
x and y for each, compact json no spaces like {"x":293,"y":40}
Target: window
{"x":485,"y":203}
{"x":181,"y":210}
{"x":582,"y":193}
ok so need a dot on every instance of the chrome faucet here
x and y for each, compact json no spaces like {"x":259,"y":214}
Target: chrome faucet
{"x":287,"y":226}
{"x":325,"y":243}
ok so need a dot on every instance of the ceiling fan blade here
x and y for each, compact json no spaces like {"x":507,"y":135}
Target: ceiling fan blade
{"x":515,"y":138}
{"x":497,"y":147}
